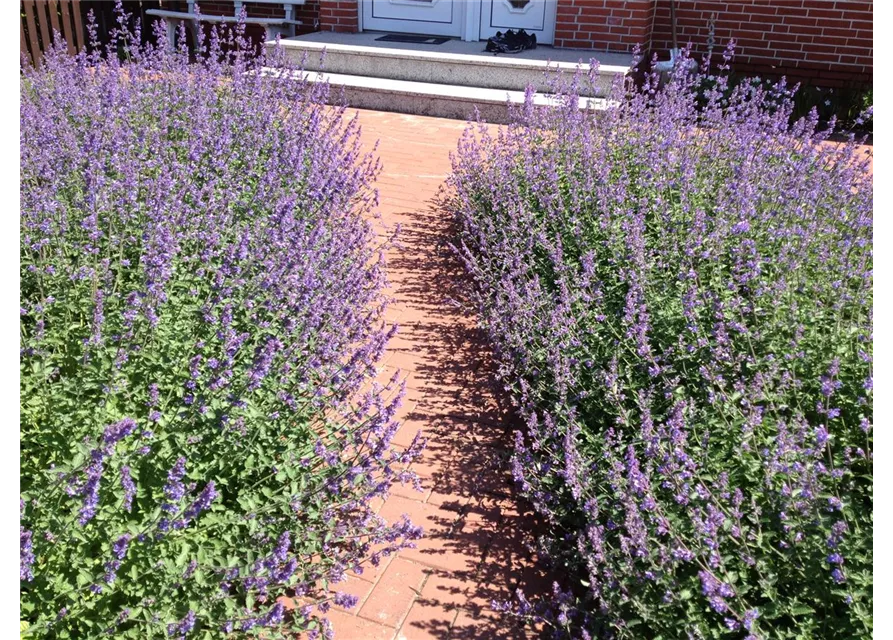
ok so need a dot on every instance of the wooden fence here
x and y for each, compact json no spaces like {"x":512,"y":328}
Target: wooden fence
{"x":39,"y":19}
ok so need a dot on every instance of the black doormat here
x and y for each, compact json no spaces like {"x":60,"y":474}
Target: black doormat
{"x":399,"y":37}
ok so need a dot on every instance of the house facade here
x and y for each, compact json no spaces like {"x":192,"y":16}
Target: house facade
{"x":822,"y":42}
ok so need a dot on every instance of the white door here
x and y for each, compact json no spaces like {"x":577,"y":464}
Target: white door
{"x":534,"y":16}
{"x":427,"y":17}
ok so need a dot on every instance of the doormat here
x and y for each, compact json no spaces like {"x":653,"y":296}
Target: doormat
{"x":399,"y":37}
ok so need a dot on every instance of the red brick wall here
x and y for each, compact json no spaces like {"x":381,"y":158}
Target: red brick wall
{"x":608,"y":25}
{"x":825,"y":42}
{"x":339,"y":15}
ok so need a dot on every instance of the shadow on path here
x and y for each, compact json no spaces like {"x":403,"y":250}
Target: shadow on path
{"x":470,"y":433}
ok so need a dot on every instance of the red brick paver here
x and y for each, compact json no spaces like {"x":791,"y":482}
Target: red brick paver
{"x":476,"y":543}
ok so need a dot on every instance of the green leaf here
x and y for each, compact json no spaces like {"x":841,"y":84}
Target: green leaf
{"x":802,"y":610}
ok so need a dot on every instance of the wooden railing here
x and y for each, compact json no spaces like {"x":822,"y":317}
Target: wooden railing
{"x":40,"y":18}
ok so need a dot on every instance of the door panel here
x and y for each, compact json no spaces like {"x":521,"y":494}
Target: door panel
{"x":534,"y":16}
{"x":428,"y":17}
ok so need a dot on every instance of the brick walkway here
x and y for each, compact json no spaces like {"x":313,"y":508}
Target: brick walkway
{"x":475,"y":545}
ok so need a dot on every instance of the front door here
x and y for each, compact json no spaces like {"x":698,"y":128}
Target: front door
{"x":534,"y":16}
{"x":428,"y":17}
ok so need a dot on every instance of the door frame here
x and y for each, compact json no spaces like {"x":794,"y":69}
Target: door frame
{"x":459,"y":6}
{"x":471,"y":21}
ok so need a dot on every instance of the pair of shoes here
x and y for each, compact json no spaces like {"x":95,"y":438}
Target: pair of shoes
{"x":511,"y":42}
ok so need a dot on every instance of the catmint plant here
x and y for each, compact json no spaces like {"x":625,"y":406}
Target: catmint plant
{"x":202,"y":442}
{"x":679,"y":294}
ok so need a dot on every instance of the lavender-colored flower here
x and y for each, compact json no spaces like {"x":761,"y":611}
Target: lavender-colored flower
{"x":129,"y":487}
{"x":275,"y":616}
{"x":182,"y":628}
{"x":202,"y":503}
{"x":750,"y":616}
{"x":91,"y":487}
{"x":26,"y":555}
{"x":118,"y":431}
{"x":346,"y":600}
{"x":119,"y":548}
{"x":119,"y":551}
{"x":174,"y":489}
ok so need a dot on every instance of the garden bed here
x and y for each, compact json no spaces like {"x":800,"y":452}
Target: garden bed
{"x":679,"y":292}
{"x":201,"y":315}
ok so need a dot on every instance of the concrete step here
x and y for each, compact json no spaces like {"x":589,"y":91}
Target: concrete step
{"x":431,"y":99}
{"x":451,"y":64}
